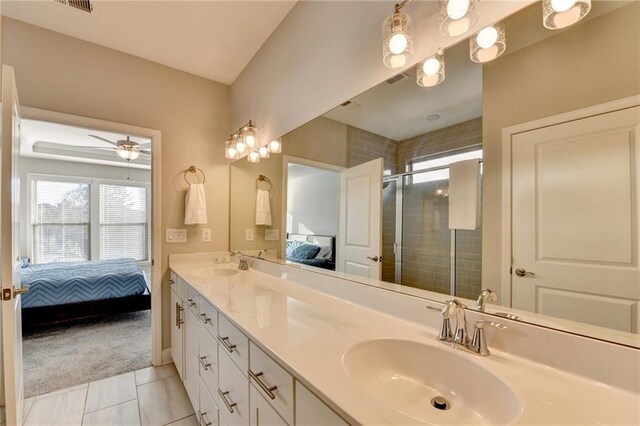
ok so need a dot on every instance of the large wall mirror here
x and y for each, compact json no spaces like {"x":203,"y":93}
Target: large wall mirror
{"x":518,"y":175}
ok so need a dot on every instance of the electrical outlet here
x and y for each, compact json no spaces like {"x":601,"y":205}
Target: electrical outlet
{"x":176,"y":236}
{"x":206,"y":235}
{"x":271,"y":234}
{"x":249,"y":234}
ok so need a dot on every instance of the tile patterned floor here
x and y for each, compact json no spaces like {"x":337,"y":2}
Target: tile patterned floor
{"x":153,"y":396}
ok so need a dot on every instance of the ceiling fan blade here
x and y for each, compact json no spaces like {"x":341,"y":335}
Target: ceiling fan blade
{"x":104,"y":140}
{"x":145,"y":145}
{"x":145,"y":152}
{"x":93,"y":147}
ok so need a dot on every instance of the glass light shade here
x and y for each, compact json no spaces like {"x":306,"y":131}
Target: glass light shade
{"x":397,"y":43}
{"x":263,"y":151}
{"x":253,"y":157}
{"x":128,"y":153}
{"x":249,"y":136}
{"x":230,"y":151}
{"x":488,"y":44}
{"x":240,"y":144}
{"x":275,"y":146}
{"x":458,"y":16}
{"x":431,"y":72}
{"x":558,"y":14}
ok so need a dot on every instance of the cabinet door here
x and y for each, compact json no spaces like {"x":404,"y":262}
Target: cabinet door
{"x":261,"y":413}
{"x":208,"y":358}
{"x":177,"y":327}
{"x":233,"y":391}
{"x":191,"y":361}
{"x":207,"y":412}
{"x":310,"y":410}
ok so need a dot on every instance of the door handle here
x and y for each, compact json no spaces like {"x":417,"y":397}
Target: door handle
{"x":524,"y":273}
{"x":375,"y":258}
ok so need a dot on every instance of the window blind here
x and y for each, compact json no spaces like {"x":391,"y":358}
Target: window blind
{"x":60,"y":220}
{"x":124,"y":223}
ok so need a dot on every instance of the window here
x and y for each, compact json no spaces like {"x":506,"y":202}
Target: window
{"x":123,"y":222}
{"x":80,"y":220}
{"x":441,"y":174}
{"x":60,"y":218}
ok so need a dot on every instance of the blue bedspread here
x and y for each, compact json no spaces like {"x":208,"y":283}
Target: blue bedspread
{"x":61,"y":283}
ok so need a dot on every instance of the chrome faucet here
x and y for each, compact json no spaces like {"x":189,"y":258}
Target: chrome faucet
{"x":486,"y":295}
{"x":243,"y":263}
{"x":477,"y":344}
{"x":262,"y":251}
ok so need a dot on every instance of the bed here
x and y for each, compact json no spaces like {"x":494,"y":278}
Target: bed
{"x":312,"y":250}
{"x":71,"y":291}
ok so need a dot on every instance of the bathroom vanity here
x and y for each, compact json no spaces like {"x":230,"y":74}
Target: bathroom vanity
{"x":271,"y":346}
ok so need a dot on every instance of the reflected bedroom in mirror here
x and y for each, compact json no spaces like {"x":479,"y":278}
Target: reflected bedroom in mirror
{"x":450,"y":178}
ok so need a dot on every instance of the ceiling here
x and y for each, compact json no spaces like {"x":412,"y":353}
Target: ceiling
{"x":53,"y":141}
{"x":212,"y":39}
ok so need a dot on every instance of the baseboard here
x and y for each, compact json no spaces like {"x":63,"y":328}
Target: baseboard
{"x":166,"y":356}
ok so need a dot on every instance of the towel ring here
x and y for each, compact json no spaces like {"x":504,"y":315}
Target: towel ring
{"x":263,"y":178}
{"x":194,"y":169}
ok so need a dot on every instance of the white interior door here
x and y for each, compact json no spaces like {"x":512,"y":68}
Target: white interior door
{"x":360,"y":232}
{"x":575,"y":220}
{"x":13,"y":390}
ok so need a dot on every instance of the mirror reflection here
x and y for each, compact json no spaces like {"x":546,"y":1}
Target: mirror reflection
{"x":516,"y":175}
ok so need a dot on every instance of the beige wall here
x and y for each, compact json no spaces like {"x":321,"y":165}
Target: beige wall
{"x":589,"y":64}
{"x":60,"y":73}
{"x":322,"y":140}
{"x":326,"y":52}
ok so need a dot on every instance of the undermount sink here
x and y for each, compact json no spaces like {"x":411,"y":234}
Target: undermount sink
{"x":408,"y":377}
{"x":214,"y":272}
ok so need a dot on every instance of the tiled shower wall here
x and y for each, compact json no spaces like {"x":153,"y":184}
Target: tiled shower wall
{"x":426,"y":245}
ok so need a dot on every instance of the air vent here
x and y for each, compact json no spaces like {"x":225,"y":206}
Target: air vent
{"x":397,"y":78}
{"x":85,"y":5}
{"x":350,"y":105}
{"x":346,"y":104}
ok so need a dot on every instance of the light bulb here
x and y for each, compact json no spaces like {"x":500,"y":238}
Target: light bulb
{"x":263,"y":151}
{"x":456,"y":9}
{"x":431,"y":66}
{"x":487,"y":37}
{"x":253,"y":157}
{"x":562,"y":5}
{"x":398,"y":44}
{"x":250,"y":140}
{"x":232,"y":153}
{"x":241,"y":147}
{"x":275,"y":147}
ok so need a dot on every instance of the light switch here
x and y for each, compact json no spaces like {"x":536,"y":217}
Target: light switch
{"x":176,"y":235}
{"x":206,"y":235}
{"x":249,"y":234}
{"x":271,"y":234}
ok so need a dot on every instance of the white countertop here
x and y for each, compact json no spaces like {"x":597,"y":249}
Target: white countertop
{"x":308,"y":332}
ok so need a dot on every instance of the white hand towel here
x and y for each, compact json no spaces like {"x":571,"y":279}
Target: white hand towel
{"x":195,"y":205}
{"x":263,"y":208}
{"x":464,"y":194}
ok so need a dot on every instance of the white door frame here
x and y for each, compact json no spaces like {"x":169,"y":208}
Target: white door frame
{"x":506,"y":259}
{"x":286,"y":160}
{"x":156,"y":229}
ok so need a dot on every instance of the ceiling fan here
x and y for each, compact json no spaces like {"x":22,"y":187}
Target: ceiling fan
{"x":126,"y":149}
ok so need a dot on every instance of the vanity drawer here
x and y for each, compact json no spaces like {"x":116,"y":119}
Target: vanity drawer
{"x":209,"y":316}
{"x":311,"y":411}
{"x":208,"y":411}
{"x":265,"y":374}
{"x":172,"y":281}
{"x":192,"y":300}
{"x":234,"y":343}
{"x":208,"y":359}
{"x":261,"y":412}
{"x":182,"y":288}
{"x":233,"y":391}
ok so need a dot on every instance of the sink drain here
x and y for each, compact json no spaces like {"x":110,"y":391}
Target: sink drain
{"x":440,"y":403}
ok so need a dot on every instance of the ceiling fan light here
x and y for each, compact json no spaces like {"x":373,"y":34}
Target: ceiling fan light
{"x":128,"y":153}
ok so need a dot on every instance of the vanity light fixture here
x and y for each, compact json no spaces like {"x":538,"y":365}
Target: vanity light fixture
{"x":263,"y":151}
{"x":243,"y":139}
{"x":239,"y":143}
{"x":253,"y":156}
{"x":457,"y":16}
{"x":558,"y":14}
{"x":249,"y":134}
{"x":397,"y":43}
{"x":431,"y":71}
{"x":231,"y":152}
{"x":275,"y":146}
{"x":488,"y":44}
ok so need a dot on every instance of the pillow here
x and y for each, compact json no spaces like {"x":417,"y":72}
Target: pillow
{"x":305,"y":251}
{"x":292,"y":245}
{"x":25,"y":262}
{"x":324,"y":253}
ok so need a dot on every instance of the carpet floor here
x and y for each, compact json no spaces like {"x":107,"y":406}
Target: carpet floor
{"x":71,"y":355}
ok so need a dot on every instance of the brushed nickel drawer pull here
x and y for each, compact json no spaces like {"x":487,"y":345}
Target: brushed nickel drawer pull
{"x":204,"y":318}
{"x":266,"y":388}
{"x":190,"y":302}
{"x":204,"y":364}
{"x":203,"y":421}
{"x":230,"y":405}
{"x":225,"y":343}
